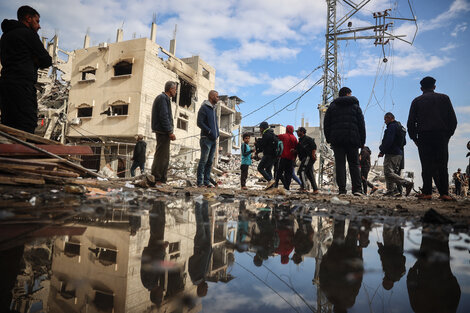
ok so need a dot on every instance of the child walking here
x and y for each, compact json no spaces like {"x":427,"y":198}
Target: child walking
{"x":246,"y":160}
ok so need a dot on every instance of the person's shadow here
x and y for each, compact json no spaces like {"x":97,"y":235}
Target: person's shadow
{"x":198,"y":264}
{"x":342,"y":268}
{"x":431,"y":285}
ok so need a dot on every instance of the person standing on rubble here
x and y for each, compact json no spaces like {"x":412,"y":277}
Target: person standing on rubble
{"x":431,"y":123}
{"x":345,"y":130}
{"x":364,"y":163}
{"x":21,"y":54}
{"x":268,"y":145}
{"x":287,"y":159}
{"x":207,"y":122}
{"x":138,"y":158}
{"x":162,"y":125}
{"x":307,"y":151}
{"x":391,"y":147}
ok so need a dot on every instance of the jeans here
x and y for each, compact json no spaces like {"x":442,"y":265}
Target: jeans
{"x":365,"y":182}
{"x":244,"y":174}
{"x":265,"y":166}
{"x":434,"y":156}
{"x":205,"y":162}
{"x":352,"y":154}
{"x":284,"y":172}
{"x":136,"y":164}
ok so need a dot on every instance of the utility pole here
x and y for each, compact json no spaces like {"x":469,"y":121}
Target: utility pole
{"x":334,"y":33}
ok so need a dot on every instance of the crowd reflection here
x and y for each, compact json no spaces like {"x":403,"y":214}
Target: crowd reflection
{"x":171,"y":257}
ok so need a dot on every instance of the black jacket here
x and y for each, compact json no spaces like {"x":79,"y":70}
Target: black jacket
{"x":390,"y":145}
{"x":21,"y":53}
{"x":139,"y":151}
{"x":162,"y":117}
{"x":344,"y":123}
{"x":306,"y":146}
{"x":268,"y":143}
{"x":431,"y":112}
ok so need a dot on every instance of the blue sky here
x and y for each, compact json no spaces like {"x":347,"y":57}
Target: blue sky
{"x":260,"y":48}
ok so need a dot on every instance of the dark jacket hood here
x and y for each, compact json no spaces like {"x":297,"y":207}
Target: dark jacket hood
{"x":8,"y":25}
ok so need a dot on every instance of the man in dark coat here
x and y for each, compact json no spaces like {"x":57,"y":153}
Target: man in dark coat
{"x":207,"y":122}
{"x":21,"y":54}
{"x":431,"y":123}
{"x":346,"y":132}
{"x":392,"y":147}
{"x":306,"y":150}
{"x":162,"y":125}
{"x":138,"y":158}
{"x":268,"y":145}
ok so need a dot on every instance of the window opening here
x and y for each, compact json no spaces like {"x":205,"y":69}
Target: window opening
{"x":85,"y":111}
{"x":88,"y":74}
{"x":182,"y":122}
{"x":122,"y":68}
{"x":72,"y":249}
{"x":187,"y":95}
{"x":119,"y":108}
{"x":205,"y":73}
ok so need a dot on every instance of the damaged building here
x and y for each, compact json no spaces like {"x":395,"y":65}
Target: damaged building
{"x":112,"y":89}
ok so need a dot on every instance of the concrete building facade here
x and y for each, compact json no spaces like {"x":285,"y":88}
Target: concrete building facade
{"x":113,"y":86}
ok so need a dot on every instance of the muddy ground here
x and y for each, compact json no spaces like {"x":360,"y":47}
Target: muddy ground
{"x":15,"y":199}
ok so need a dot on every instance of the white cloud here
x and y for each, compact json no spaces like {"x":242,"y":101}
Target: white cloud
{"x":463,"y":109}
{"x":449,"y":47}
{"x":459,"y":28}
{"x":281,"y":84}
{"x":456,"y":8}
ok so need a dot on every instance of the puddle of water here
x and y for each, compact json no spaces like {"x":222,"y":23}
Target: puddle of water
{"x":193,"y":256}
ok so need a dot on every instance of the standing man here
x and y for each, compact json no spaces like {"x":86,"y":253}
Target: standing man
{"x":307,"y":151}
{"x":138,"y":158}
{"x":287,"y":158}
{"x":21,"y":54}
{"x":391,"y":147}
{"x":207,"y":122}
{"x":431,"y":123}
{"x":364,"y":162}
{"x":346,"y":132}
{"x":268,"y":145}
{"x":458,"y":182}
{"x":162,"y":125}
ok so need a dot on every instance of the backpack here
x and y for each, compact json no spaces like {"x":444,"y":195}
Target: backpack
{"x":400,"y":137}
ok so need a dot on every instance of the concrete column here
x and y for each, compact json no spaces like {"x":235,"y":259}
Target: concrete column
{"x":173,"y":46}
{"x":119,"y":35}
{"x":153,"y":32}
{"x":86,"y":42}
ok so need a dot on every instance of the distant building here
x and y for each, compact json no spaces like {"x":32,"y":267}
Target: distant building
{"x":113,"y":86}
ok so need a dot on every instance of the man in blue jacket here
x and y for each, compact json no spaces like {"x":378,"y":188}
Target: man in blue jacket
{"x":162,"y":125}
{"x":391,"y":147}
{"x":207,"y":122}
{"x":21,"y":54}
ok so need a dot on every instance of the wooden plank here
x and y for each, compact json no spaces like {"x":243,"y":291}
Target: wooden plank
{"x":18,"y":149}
{"x":47,"y":165}
{"x":9,"y":180}
{"x":27,"y":136}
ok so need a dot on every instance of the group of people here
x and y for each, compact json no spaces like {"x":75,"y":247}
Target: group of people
{"x":461,"y":182}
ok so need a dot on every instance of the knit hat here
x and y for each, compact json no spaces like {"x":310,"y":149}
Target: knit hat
{"x":264,"y":125}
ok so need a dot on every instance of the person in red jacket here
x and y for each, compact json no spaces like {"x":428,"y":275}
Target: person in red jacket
{"x":286,"y":164}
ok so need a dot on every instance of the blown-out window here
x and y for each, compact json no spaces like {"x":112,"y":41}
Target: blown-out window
{"x":123,"y":68}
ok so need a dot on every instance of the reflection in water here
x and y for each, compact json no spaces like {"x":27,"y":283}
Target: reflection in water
{"x":391,"y":255}
{"x":342,"y":268}
{"x":179,"y":257}
{"x":431,"y":285}
{"x":199,"y":262}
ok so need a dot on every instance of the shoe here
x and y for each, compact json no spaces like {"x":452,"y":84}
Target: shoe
{"x":389,"y":194}
{"x":342,"y":192}
{"x":422,"y":196}
{"x":270,"y":184}
{"x":374,"y":189}
{"x":397,"y":194}
{"x":244,"y":188}
{"x":408,"y":189}
{"x":446,"y":198}
{"x":358,"y":194}
{"x":208,"y":186}
{"x":316,"y":192}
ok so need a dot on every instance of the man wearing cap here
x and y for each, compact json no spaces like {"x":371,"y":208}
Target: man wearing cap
{"x":268,"y":145}
{"x":345,"y":130}
{"x":431,"y":123}
{"x":138,"y":158}
{"x":306,"y":149}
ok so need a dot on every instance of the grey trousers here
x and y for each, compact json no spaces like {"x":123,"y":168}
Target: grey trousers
{"x":161,"y":159}
{"x":391,"y":166}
